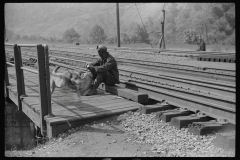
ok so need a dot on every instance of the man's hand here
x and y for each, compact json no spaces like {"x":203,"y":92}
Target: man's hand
{"x":87,"y":65}
{"x":90,"y":67}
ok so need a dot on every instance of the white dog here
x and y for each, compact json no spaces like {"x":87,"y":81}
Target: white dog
{"x":79,"y":81}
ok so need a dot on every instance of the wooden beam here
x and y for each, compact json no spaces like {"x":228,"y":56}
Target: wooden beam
{"x":42,"y":85}
{"x":126,"y":93}
{"x":18,"y":75}
{"x":6,"y":79}
{"x":47,"y":80}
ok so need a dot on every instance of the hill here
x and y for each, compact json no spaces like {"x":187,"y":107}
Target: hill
{"x":52,"y":19}
{"x":215,"y":22}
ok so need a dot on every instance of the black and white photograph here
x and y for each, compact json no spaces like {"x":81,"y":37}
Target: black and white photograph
{"x":112,"y":80}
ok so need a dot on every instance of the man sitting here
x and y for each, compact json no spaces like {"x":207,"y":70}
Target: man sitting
{"x":104,"y":70}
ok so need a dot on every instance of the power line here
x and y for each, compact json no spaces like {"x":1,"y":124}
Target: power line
{"x":141,"y":18}
{"x":142,"y":22}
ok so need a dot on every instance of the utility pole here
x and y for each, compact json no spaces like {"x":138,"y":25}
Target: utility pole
{"x":161,"y":43}
{"x":118,"y":25}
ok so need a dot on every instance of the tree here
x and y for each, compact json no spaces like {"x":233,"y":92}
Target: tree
{"x":126,"y":38}
{"x":191,"y":37}
{"x":170,"y":24}
{"x":97,"y":34}
{"x":112,"y":40}
{"x":203,"y":20}
{"x":142,"y":34}
{"x":70,"y":35}
{"x":135,"y":39}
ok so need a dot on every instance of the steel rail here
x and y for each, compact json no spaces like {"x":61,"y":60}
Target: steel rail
{"x":223,"y":109}
{"x":203,"y":87}
{"x":215,"y":76}
{"x":206,"y":69}
{"x":178,"y":66}
{"x":157,"y":63}
{"x":219,"y":74}
{"x":150,"y":50}
{"x":154,"y":65}
{"x":224,"y":101}
{"x":199,"y":86}
{"x":212,"y":76}
{"x":183,"y":77}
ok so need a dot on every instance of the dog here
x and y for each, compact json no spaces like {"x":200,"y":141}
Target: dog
{"x":79,"y":81}
{"x":86,"y":83}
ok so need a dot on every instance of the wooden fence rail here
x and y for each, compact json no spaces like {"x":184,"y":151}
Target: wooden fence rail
{"x":43,"y":78}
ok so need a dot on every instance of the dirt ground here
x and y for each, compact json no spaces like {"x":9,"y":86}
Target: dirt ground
{"x":105,"y":138}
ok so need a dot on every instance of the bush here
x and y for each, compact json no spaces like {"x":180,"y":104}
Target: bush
{"x":231,"y":39}
{"x":70,"y":35}
{"x":97,"y":34}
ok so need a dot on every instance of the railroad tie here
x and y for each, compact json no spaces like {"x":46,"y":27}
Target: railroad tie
{"x":167,"y":115}
{"x":147,"y":109}
{"x":185,"y":121}
{"x":210,"y":127}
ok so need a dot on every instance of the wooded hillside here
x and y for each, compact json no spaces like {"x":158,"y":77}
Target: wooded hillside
{"x":215,"y":22}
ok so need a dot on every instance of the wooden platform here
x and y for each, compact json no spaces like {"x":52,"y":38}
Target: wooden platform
{"x":68,"y":111}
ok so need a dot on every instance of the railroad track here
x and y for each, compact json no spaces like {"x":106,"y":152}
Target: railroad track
{"x":204,"y":105}
{"x":206,"y":96}
{"x":201,"y":72}
{"x":197,"y":55}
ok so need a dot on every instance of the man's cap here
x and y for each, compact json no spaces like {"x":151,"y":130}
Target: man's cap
{"x":101,"y":48}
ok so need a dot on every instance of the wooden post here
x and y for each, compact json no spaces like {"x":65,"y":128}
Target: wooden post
{"x":21,"y":71}
{"x":48,"y":80}
{"x":118,"y":25}
{"x":42,"y":87}
{"x":161,"y":43}
{"x":19,"y":76}
{"x":6,"y":80}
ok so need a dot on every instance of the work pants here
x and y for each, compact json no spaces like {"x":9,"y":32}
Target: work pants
{"x":104,"y":77}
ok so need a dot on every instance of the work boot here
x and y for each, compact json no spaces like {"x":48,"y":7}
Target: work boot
{"x":95,"y":85}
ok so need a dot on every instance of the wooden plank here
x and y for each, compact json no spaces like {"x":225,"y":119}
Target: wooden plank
{"x":35,"y":117}
{"x":60,"y":128}
{"x":97,"y":109}
{"x":88,"y":106}
{"x":92,"y":102}
{"x":47,"y":79}
{"x":6,"y":80}
{"x":126,"y":93}
{"x":21,"y":71}
{"x":84,"y":114}
{"x":94,"y":109}
{"x":18,"y":75}
{"x":42,"y":85}
{"x":59,"y":119}
{"x":13,"y":97}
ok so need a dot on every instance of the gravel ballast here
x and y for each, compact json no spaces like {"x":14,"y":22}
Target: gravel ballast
{"x":168,"y":141}
{"x":155,"y":57}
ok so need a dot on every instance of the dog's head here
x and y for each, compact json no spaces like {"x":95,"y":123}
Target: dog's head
{"x":82,"y":80}
{"x":75,"y":77}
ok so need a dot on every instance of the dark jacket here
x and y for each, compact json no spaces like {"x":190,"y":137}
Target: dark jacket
{"x":108,"y":64}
